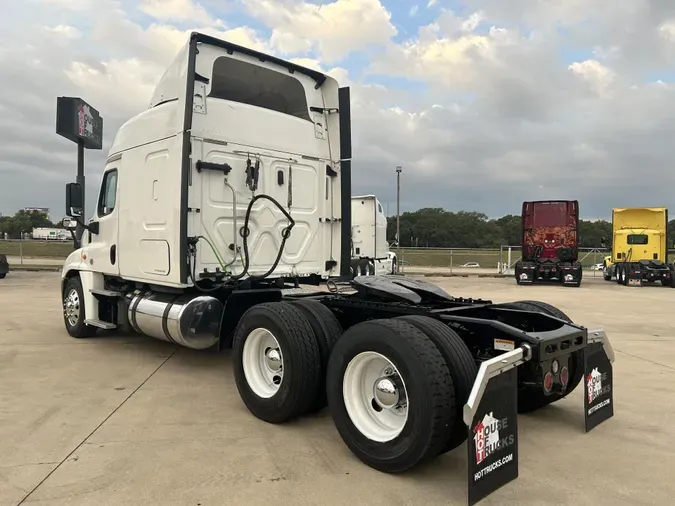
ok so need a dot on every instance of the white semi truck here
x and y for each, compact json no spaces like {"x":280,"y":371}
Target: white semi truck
{"x":236,"y":182}
{"x":370,"y":250}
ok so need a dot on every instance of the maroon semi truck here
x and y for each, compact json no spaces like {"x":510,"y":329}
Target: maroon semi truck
{"x":550,"y":243}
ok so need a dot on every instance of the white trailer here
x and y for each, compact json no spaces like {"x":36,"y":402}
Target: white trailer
{"x":50,"y":234}
{"x":370,"y":249}
{"x":235,"y":181}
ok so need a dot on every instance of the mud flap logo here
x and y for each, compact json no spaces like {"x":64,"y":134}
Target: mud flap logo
{"x":493,"y":438}
{"x":598,"y":401}
{"x":486,"y":437}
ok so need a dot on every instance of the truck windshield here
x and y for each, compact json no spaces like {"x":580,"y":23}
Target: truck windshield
{"x":240,"y":81}
{"x":638,"y":239}
{"x":552,"y":214}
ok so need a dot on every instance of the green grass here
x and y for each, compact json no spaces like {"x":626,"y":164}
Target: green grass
{"x":416,"y":257}
{"x":486,"y":258}
{"x":39,"y":249}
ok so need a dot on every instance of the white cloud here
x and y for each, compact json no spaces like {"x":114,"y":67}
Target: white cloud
{"x":176,"y":10}
{"x":413,"y":10}
{"x":334,"y":29}
{"x":499,"y":112}
{"x":599,"y":77}
{"x":667,"y":30}
{"x":67,"y":31}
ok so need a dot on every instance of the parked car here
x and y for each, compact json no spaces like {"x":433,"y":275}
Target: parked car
{"x":597,"y":267}
{"x":471,"y":265}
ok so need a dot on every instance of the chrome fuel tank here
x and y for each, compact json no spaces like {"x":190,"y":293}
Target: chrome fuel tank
{"x":189,"y":320}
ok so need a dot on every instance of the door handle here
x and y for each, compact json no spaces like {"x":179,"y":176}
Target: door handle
{"x":113,"y":254}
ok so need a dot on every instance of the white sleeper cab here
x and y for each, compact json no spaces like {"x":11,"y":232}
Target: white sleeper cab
{"x":233,"y":187}
{"x":370,"y":250}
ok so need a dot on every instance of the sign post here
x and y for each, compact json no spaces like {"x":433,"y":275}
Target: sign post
{"x":77,"y":121}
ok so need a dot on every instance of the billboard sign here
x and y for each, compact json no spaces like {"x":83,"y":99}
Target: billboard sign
{"x":77,"y":121}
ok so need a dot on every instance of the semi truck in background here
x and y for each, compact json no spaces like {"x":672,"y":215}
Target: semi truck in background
{"x":639,"y":252}
{"x":370,"y":250}
{"x":238,"y":178}
{"x":550,"y":243}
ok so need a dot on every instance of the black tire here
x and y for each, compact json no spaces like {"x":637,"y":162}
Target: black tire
{"x":2,"y":275}
{"x":529,"y":398}
{"x":544,"y":307}
{"x":327,"y":330}
{"x":76,"y":327}
{"x":394,"y":266}
{"x":461,"y":364}
{"x":428,"y":384}
{"x":607,"y":276}
{"x":301,"y":361}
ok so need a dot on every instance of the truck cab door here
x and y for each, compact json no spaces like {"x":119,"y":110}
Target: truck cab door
{"x":101,"y":250}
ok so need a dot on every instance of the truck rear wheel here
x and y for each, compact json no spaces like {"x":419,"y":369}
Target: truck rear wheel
{"x":461,"y":365}
{"x":390,"y":394}
{"x":277,"y":363}
{"x":73,"y":309}
{"x":327,"y":330}
{"x":607,"y":274}
{"x":533,"y":398}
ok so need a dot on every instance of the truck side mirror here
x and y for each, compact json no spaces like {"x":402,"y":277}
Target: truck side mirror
{"x":74,"y":198}
{"x":69,"y":224}
{"x":603,"y":242}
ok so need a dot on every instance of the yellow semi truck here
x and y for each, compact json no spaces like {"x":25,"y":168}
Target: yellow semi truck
{"x":639,"y":247}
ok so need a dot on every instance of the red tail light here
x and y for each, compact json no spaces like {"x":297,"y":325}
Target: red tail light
{"x":564,"y":376}
{"x":548,"y":382}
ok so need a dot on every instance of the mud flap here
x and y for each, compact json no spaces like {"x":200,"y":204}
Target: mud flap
{"x":598,"y":380}
{"x":491,"y":415}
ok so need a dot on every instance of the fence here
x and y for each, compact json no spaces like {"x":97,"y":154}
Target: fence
{"x":36,"y":251}
{"x":499,"y":260}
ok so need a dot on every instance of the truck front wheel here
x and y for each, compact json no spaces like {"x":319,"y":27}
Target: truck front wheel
{"x":73,"y":309}
{"x":277,"y":363}
{"x":390,"y":395}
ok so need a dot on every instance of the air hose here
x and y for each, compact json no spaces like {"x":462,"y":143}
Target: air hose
{"x":246,"y":231}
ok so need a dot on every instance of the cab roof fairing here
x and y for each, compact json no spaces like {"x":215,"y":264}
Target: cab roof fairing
{"x":171,"y":86}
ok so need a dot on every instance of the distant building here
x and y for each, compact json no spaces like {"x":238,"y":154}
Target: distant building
{"x":44,"y":210}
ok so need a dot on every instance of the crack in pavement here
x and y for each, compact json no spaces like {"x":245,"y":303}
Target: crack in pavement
{"x":98,"y":427}
{"x":646,"y":359}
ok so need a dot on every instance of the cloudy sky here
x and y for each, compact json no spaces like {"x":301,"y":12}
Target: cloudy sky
{"x":485,"y":103}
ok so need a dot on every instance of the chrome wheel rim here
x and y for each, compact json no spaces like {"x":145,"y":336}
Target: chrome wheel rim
{"x":71,"y":307}
{"x":375,"y":396}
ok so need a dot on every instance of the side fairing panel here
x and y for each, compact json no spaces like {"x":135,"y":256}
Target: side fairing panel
{"x":150,"y":212}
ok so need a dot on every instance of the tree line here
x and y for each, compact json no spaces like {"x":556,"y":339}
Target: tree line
{"x":23,"y":222}
{"x":428,"y":227}
{"x":438,"y":228}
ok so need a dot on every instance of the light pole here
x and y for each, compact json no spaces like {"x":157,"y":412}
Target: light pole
{"x":399,"y":168}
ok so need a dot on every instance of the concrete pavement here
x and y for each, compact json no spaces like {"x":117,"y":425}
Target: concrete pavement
{"x":121,"y":419}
